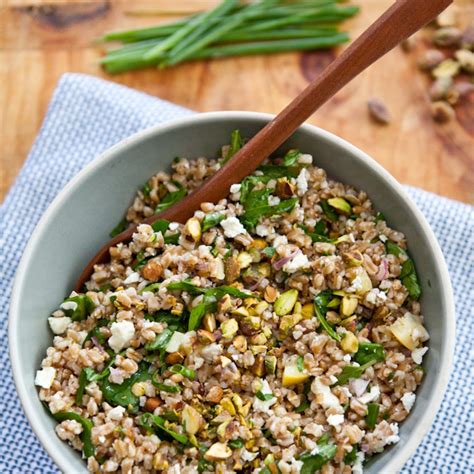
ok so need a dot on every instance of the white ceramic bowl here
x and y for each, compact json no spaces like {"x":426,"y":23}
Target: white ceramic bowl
{"x":78,"y":221}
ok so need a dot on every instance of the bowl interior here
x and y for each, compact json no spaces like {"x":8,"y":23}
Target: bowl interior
{"x":80,"y":219}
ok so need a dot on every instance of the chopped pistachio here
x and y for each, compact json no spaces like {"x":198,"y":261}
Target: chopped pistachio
{"x":360,"y":281}
{"x":241,"y":311}
{"x":340,"y":204}
{"x":215,"y":394}
{"x":225,"y":361}
{"x":350,"y":323}
{"x":466,"y":60}
{"x":218,"y":452}
{"x":227,"y":405}
{"x":192,"y":229}
{"x":258,"y":349}
{"x":284,"y":189}
{"x":350,"y":343}
{"x":285,"y":302}
{"x":255,"y":254}
{"x":205,"y":337}
{"x":288,"y":321}
{"x":292,"y":375}
{"x":238,"y":403}
{"x":229,"y":328}
{"x":270,"y":364}
{"x":244,"y":259}
{"x":348,"y":305}
{"x":409,"y":331}
{"x":448,"y":68}
{"x":298,"y":307}
{"x":354,"y":258}
{"x":174,"y":358}
{"x":265,"y":269}
{"x":258,"y":339}
{"x":258,"y":368}
{"x":209,"y":322}
{"x":221,"y":430}
{"x":138,"y":389}
{"x":307,"y":311}
{"x":270,"y":294}
{"x":261,"y":307}
{"x":192,"y":420}
{"x":240,"y":343}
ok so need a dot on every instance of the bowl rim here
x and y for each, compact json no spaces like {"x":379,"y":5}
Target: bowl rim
{"x":437,"y":391}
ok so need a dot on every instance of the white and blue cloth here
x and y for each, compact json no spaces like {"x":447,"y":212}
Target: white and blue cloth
{"x":88,"y":115}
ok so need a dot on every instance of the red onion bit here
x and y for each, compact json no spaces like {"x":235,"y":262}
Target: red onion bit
{"x":278,"y":265}
{"x":383,"y":270}
{"x":256,"y":285}
{"x":97,"y":344}
{"x":358,"y":386}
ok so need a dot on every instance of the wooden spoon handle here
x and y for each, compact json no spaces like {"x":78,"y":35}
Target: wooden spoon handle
{"x":400,"y":21}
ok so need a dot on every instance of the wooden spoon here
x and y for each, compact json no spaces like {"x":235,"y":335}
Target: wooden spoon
{"x":400,"y":21}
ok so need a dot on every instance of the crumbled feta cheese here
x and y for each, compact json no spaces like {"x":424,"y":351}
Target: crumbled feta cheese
{"x":210,"y":352}
{"x":235,"y":188}
{"x":279,"y":240}
{"x":408,"y":400}
{"x":324,"y":396}
{"x":417,"y":355}
{"x":175,"y":342}
{"x":305,"y":159}
{"x":393,"y":438}
{"x":271,"y":184}
{"x":59,"y":325}
{"x":68,"y":305}
{"x":376,"y":297}
{"x":264,"y":405}
{"x":297,"y":465}
{"x":332,"y":379}
{"x":347,"y":358}
{"x":335,"y":420}
{"x":262,"y":230}
{"x":45,"y":377}
{"x":132,"y":278}
{"x":370,"y":396}
{"x":357,"y":467}
{"x":232,"y":227}
{"x":273,"y":200}
{"x":302,"y":182}
{"x":299,"y":261}
{"x":247,"y":456}
{"x":122,"y":334}
{"x":173,"y":226}
{"x":383,"y":238}
{"x":116,"y":414}
{"x":314,"y":429}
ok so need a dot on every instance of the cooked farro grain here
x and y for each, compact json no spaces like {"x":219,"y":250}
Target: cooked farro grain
{"x":276,"y":331}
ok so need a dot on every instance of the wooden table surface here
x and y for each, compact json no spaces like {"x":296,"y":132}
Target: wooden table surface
{"x":39,"y":41}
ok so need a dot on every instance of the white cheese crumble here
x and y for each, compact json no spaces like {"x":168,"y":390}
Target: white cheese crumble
{"x":279,"y":240}
{"x":408,"y":400}
{"x":116,"y":414}
{"x":173,"y":226}
{"x":305,"y":159}
{"x":302,"y":182}
{"x":45,"y":377}
{"x":264,"y":405}
{"x":235,"y":188}
{"x":324,"y":396}
{"x":68,"y":305}
{"x":59,"y":325}
{"x":417,"y":355}
{"x":299,"y":261}
{"x":122,"y":334}
{"x":376,"y":297}
{"x":175,"y":342}
{"x":248,"y":456}
{"x":132,"y":278}
{"x":262,"y":230}
{"x":393,"y":438}
{"x":273,"y":200}
{"x":335,"y":420}
{"x":232,"y":227}
{"x":370,"y":396}
{"x":357,"y":467}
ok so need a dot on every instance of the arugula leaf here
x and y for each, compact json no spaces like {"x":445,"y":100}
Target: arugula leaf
{"x":300,"y":363}
{"x":321,"y":228}
{"x":208,"y":305}
{"x":161,"y":341}
{"x":161,"y":225}
{"x":305,"y":401}
{"x":253,"y":214}
{"x":321,"y":302}
{"x":379,"y":217}
{"x":236,"y":143}
{"x":291,"y":158}
{"x":211,"y":220}
{"x":329,"y":212}
{"x":236,"y":443}
{"x":264,"y":396}
{"x":163,"y":387}
{"x":277,"y":171}
{"x":82,"y":387}
{"x":186,"y":285}
{"x":314,"y":462}
{"x":154,"y":423}
{"x":369,"y":351}
{"x":372,"y":414}
{"x":84,"y":307}
{"x":408,"y":275}
{"x":86,"y":435}
{"x":171,"y":198}
{"x":184,"y":371}
{"x":152,"y":287}
{"x":146,"y":189}
{"x":121,"y":394}
{"x":351,"y":457}
{"x":352,"y":372}
{"x":119,"y":228}
{"x":97,"y":333}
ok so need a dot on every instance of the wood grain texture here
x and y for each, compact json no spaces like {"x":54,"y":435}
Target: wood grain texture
{"x":40,"y":40}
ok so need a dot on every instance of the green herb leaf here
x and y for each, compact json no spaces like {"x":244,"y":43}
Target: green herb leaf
{"x":163,"y":387}
{"x":412,"y":284}
{"x":156,"y":423}
{"x":300,"y":363}
{"x":81,"y":387}
{"x":352,"y":372}
{"x":86,"y":435}
{"x":276,"y":172}
{"x":372,"y":415}
{"x":253,"y":214}
{"x":119,"y":228}
{"x":291,"y":158}
{"x":184,"y":371}
{"x":211,"y":220}
{"x":236,"y":143}
{"x":173,"y":323}
{"x":369,"y":352}
{"x":236,"y":443}
{"x":97,"y":333}
{"x":394,"y":249}
{"x":314,"y":462}
{"x":264,"y":396}
{"x":161,"y":225}
{"x":161,"y":341}
{"x":351,"y":457}
{"x":321,"y":302}
{"x":379,"y":217}
{"x":186,"y":285}
{"x":84,"y":307}
{"x":208,"y":305}
{"x":121,"y":394}
{"x":170,"y":199}
{"x":146,"y":189}
{"x":329,"y":212}
{"x":151,"y":288}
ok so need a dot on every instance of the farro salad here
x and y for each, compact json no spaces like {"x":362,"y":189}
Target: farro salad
{"x":277,"y":331}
